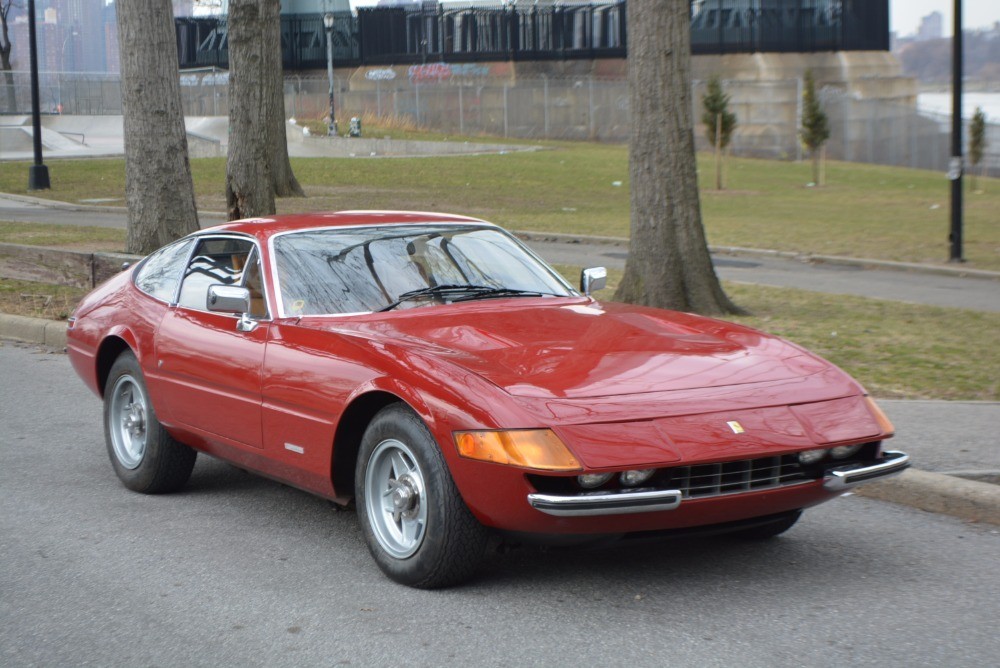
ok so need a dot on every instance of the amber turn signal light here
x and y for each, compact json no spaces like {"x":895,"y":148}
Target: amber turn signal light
{"x":527,"y":448}
{"x":883,"y":422}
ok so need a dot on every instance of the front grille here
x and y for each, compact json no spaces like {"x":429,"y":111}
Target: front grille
{"x":746,"y":475}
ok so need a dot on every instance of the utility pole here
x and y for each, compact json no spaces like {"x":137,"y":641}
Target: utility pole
{"x":955,"y":168}
{"x":38,"y":173}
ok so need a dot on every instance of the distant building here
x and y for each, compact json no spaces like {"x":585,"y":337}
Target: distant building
{"x":48,"y":36}
{"x":931,"y":27}
{"x":70,"y":34}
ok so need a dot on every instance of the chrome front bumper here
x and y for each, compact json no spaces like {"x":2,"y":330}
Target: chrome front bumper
{"x":606,"y":503}
{"x":621,"y":502}
{"x":844,"y":477}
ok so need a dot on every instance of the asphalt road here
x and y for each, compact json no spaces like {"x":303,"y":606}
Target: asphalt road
{"x":240,"y":571}
{"x":918,"y":288}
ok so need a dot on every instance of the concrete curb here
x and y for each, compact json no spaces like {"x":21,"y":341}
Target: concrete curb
{"x":935,"y":492}
{"x":33,"y":330}
{"x":791,"y":255}
{"x":938,"y":493}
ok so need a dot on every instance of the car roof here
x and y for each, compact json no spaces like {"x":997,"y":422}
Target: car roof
{"x":264,"y":227}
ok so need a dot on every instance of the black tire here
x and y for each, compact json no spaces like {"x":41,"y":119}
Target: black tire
{"x":769,"y":529}
{"x":417,"y":527}
{"x":144,"y":456}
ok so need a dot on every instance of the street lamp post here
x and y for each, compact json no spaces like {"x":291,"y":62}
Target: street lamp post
{"x":955,"y":169}
{"x":38,"y":173}
{"x":328,"y":24}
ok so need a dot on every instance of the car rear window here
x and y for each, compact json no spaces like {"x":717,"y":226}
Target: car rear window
{"x":161,"y":271}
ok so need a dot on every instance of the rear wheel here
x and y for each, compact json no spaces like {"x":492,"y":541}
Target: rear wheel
{"x":769,"y":529}
{"x":416,"y":525}
{"x":144,"y":456}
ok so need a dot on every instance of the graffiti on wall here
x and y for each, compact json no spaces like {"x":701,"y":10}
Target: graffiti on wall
{"x":439,"y":72}
{"x":381,"y":74}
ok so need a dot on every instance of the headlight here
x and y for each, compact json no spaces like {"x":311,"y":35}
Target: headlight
{"x":844,"y":451}
{"x":811,"y":456}
{"x":528,"y":448}
{"x":636,"y":478}
{"x":593,"y":480}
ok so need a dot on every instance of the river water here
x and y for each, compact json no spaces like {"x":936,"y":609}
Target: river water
{"x":940,"y":103}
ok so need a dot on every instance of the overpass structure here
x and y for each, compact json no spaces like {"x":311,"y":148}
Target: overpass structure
{"x":418,"y":33}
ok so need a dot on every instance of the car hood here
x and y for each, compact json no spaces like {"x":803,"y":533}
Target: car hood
{"x":580,"y":348}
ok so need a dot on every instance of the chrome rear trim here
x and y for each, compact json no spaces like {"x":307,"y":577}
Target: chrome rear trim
{"x":844,"y":477}
{"x":606,"y":503}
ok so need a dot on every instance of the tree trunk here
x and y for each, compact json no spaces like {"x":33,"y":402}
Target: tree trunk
{"x":249,"y":186}
{"x":668,"y":263}
{"x":273,"y":78}
{"x":8,"y":79}
{"x":159,"y":191}
{"x":5,"y":47}
{"x":815,"y":161}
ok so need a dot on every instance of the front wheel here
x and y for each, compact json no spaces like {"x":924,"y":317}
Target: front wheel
{"x":144,"y":456}
{"x":416,"y":525}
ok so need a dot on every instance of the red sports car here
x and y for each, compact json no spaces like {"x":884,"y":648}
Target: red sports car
{"x":434,"y":370}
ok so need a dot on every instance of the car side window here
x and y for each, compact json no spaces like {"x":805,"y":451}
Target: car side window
{"x":161,"y":272}
{"x":218,"y":261}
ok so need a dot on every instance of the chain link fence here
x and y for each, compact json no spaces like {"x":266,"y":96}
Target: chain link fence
{"x":573,"y":108}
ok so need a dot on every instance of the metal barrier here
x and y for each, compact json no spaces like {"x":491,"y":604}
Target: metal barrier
{"x":577,"y":108}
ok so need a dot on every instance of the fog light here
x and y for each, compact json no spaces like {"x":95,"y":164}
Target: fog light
{"x":811,"y":456}
{"x":593,"y":480}
{"x":635,"y":478}
{"x":844,"y":451}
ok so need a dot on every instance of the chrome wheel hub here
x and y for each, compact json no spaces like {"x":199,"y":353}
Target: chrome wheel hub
{"x":405,"y":497}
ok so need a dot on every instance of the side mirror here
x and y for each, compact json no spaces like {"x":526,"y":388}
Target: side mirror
{"x":228,"y":299}
{"x":593,"y":279}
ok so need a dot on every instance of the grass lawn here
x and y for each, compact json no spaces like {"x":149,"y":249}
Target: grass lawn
{"x":864,"y":211}
{"x":38,"y":300}
{"x":63,"y":236}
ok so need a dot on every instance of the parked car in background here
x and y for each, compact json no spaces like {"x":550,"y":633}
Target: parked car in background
{"x":435,"y":371}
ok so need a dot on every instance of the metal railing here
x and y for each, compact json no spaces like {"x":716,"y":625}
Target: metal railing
{"x":456,"y":99}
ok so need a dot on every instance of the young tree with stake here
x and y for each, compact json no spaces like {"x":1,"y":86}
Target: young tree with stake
{"x":815,"y":126}
{"x":719,"y":123}
{"x":977,"y":143}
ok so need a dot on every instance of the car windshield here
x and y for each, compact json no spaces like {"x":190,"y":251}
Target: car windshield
{"x":358,"y":270}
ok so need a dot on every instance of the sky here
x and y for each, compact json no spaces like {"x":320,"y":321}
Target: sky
{"x":905,"y":15}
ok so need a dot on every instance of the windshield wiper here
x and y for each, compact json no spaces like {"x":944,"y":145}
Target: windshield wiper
{"x":443,"y":290}
{"x":504,"y":292}
{"x":461,"y":293}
